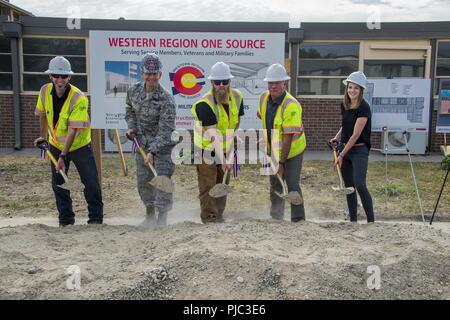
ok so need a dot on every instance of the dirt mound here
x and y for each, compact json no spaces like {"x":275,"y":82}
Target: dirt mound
{"x":241,"y":259}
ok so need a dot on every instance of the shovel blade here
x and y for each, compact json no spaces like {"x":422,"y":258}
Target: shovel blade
{"x":349,"y":190}
{"x":220,"y":190}
{"x":294,"y":198}
{"x":163,"y":183}
{"x":282,"y":196}
{"x":71,"y":186}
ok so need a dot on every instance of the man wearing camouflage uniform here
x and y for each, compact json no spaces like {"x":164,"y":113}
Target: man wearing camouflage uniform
{"x":150,"y":115}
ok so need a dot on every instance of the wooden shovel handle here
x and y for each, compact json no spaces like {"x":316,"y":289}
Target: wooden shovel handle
{"x":119,"y":149}
{"x":338,"y":168}
{"x":141,"y":150}
{"x":53,"y":160}
{"x":224,"y":179}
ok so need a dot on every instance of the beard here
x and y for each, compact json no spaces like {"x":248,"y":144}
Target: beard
{"x":222,"y":95}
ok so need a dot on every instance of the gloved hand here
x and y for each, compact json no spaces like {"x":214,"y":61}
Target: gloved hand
{"x":39,"y":141}
{"x":131,"y":134}
{"x":333,"y":143}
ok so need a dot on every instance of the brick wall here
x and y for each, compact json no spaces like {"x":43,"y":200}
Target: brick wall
{"x":321,"y":119}
{"x":437,"y":139}
{"x":6,"y":121}
{"x":30,"y":123}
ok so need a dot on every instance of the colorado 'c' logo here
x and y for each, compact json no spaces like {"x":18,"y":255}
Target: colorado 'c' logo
{"x":187,"y":79}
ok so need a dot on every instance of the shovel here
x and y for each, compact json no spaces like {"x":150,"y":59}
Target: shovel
{"x":292,"y":197}
{"x":67,"y":185}
{"x":121,"y":156}
{"x":162,"y":183}
{"x":221,"y":189}
{"x":341,"y":188}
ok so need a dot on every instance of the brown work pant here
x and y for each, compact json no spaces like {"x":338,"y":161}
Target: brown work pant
{"x":211,"y":208}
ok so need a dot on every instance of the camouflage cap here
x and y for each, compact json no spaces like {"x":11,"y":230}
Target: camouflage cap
{"x":151,"y":63}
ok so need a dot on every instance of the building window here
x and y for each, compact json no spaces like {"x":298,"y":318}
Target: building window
{"x":323,"y":66}
{"x":394,"y":68}
{"x":5,"y":65}
{"x":442,"y":63}
{"x":37,"y":53}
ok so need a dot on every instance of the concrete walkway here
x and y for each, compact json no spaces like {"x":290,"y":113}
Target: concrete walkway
{"x":309,"y":155}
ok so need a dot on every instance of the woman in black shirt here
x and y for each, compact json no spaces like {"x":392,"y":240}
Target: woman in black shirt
{"x":355,"y":136}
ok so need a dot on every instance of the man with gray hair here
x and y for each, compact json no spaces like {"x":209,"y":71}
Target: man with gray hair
{"x":150,"y":115}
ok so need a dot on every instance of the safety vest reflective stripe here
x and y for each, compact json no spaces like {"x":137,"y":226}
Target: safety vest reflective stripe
{"x":283,"y":126}
{"x":79,"y":124}
{"x":285,"y":104}
{"x":74,"y":100}
{"x":261,"y":99}
{"x":44,"y":94}
{"x":293,"y":129}
{"x":225,"y":121}
{"x":210,"y":98}
{"x":63,"y":138}
{"x":236,"y":98}
{"x":296,"y":136}
{"x":79,"y":119}
{"x":199,"y":130}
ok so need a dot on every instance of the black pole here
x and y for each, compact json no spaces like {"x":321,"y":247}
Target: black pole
{"x":440,"y":193}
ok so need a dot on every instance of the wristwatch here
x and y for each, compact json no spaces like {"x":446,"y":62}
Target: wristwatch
{"x":62,"y":156}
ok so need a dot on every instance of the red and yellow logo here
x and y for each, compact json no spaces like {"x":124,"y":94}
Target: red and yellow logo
{"x":187,"y":79}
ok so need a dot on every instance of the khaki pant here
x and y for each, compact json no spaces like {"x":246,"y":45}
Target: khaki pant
{"x":211,"y":208}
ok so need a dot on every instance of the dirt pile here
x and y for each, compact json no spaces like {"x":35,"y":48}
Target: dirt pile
{"x":241,"y":259}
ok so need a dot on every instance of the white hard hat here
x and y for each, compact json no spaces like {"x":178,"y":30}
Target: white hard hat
{"x":358,"y":78}
{"x":220,"y":71}
{"x":276,"y":72}
{"x":59,"y":65}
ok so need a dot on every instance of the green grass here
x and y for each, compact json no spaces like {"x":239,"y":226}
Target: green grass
{"x":21,"y":202}
{"x":395,"y":196}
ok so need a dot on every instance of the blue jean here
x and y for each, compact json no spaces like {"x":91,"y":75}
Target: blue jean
{"x":354,"y":172}
{"x":84,"y":161}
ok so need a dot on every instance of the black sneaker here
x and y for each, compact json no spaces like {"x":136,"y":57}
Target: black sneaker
{"x":62,"y":225}
{"x":95,"y":222}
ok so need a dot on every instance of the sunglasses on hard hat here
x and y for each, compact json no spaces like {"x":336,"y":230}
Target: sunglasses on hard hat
{"x":62,"y":76}
{"x":224,"y":82}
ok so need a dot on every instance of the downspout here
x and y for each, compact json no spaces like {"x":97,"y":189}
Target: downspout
{"x":13,"y":31}
{"x":16,"y":93}
{"x":294,"y":37}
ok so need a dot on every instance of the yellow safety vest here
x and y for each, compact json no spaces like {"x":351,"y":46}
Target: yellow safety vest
{"x":288,"y":120}
{"x":74,"y":114}
{"x":224,"y":121}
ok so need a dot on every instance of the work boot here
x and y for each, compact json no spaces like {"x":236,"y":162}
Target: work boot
{"x":150,"y":220}
{"x":162,"y":218}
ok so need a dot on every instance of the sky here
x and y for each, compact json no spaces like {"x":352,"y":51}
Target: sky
{"x":290,"y":11}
